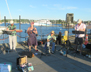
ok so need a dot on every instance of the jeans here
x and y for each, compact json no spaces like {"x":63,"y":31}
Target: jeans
{"x":52,"y":44}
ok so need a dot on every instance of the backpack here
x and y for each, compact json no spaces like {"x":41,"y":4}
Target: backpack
{"x":27,"y":53}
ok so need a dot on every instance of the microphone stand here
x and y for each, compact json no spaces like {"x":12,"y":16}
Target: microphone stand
{"x":68,"y":39}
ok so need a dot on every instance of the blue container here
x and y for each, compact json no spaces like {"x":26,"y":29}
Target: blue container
{"x":64,"y":53}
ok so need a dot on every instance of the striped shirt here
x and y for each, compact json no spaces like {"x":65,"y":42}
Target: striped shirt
{"x":78,"y":27}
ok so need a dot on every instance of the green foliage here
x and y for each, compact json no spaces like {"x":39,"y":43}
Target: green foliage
{"x":53,"y":21}
{"x":57,"y":21}
{"x":17,"y":20}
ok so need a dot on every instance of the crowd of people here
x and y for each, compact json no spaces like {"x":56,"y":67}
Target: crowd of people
{"x":32,"y":40}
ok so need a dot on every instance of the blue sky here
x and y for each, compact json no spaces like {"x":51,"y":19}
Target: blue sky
{"x":45,"y":9}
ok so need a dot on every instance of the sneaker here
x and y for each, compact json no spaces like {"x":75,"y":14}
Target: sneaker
{"x":52,"y":52}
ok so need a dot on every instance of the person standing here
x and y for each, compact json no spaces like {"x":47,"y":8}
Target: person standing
{"x":12,"y":37}
{"x":80,"y":37}
{"x":32,"y":40}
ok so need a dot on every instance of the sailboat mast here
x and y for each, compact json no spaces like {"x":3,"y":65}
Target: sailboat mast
{"x":0,"y":18}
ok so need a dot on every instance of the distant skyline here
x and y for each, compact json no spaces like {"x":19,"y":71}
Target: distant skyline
{"x":45,"y":9}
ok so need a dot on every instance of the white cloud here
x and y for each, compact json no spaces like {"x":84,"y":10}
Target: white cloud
{"x":61,"y":7}
{"x":71,"y":7}
{"x":32,"y":6}
{"x":45,"y":5}
{"x":57,"y":5}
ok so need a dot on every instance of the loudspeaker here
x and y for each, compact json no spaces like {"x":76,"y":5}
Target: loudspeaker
{"x":69,"y":17}
{"x":88,"y":46}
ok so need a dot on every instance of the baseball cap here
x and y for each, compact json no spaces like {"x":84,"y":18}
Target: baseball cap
{"x":79,"y":21}
{"x":11,"y":22}
{"x":52,"y":32}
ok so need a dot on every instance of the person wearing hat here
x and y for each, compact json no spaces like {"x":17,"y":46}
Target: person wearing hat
{"x":12,"y":37}
{"x":80,"y":37}
{"x":32,"y":40}
{"x":50,"y":41}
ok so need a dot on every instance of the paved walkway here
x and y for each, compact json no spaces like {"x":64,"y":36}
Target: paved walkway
{"x":53,"y":63}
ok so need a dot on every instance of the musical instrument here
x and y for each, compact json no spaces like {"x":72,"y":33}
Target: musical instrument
{"x":78,"y":32}
{"x":8,"y":32}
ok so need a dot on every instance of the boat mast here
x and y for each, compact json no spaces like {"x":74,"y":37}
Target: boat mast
{"x":8,"y":9}
{"x":0,"y":18}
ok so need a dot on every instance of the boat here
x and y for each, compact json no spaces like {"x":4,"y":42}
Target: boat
{"x":43,"y":23}
{"x":72,"y":25}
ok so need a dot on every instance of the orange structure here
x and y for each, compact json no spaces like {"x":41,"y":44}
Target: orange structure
{"x":86,"y":40}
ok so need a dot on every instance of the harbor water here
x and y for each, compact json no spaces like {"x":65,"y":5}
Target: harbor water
{"x":43,"y":31}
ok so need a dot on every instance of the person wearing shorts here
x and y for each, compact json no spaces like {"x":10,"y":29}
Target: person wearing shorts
{"x":80,"y":37}
{"x":78,"y":40}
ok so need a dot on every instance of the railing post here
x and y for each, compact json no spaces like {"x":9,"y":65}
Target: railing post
{"x":5,"y":26}
{"x":5,"y":20}
{"x":20,"y":25}
{"x":19,"y":22}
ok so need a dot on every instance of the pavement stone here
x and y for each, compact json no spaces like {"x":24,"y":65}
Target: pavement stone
{"x":53,"y":63}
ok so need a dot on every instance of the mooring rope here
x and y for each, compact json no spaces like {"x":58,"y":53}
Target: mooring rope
{"x":22,"y":37}
{"x":4,"y":38}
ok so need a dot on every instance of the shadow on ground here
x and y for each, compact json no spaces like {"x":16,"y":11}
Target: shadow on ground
{"x":49,"y":63}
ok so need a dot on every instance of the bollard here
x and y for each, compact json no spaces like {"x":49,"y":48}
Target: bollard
{"x":65,"y":37}
{"x":66,"y":33}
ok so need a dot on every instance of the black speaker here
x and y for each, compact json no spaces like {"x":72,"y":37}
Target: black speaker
{"x":69,"y":17}
{"x":88,"y":46}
